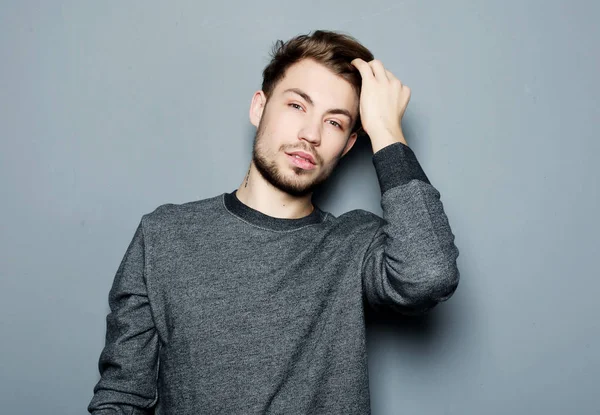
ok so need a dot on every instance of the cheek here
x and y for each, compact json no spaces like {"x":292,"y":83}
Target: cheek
{"x":333,"y":142}
{"x":273,"y":136}
{"x":284,"y":127}
{"x":289,"y":120}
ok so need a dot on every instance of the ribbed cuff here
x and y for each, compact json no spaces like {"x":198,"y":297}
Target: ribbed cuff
{"x":396,"y":164}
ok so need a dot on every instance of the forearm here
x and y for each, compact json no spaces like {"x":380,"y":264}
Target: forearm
{"x":411,"y":262}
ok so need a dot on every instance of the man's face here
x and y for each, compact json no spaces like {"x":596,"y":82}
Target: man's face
{"x":311,"y":110}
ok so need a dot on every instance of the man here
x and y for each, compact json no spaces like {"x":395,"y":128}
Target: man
{"x":251,"y":302}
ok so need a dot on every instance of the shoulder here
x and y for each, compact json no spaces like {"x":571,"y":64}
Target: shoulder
{"x":353,"y":230}
{"x":173,"y":214}
{"x":356,"y":220}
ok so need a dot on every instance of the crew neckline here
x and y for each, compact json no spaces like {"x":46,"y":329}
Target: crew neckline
{"x":237,"y":208}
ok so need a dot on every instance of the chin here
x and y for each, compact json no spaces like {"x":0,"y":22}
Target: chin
{"x":288,"y":178}
{"x":292,"y":183}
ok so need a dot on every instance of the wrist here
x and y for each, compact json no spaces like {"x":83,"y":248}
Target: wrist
{"x":384,"y":138}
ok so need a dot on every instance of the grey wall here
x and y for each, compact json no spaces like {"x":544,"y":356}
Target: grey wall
{"x":108,"y":109}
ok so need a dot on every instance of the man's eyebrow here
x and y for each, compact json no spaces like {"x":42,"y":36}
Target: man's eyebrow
{"x":308,"y":99}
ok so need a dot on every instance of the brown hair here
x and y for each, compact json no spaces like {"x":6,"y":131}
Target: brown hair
{"x":334,"y":50}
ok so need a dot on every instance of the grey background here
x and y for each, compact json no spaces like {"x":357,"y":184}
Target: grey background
{"x":109,"y":109}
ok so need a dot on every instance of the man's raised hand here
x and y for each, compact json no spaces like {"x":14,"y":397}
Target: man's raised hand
{"x":383,"y":101}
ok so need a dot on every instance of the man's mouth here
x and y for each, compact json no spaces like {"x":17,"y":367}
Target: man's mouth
{"x":297,"y":159}
{"x":304,"y":155}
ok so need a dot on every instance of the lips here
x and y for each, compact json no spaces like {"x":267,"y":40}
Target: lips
{"x":304,"y":155}
{"x":301,"y":162}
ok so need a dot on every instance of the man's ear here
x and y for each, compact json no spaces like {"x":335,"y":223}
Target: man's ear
{"x":257,"y":107}
{"x":350,"y":143}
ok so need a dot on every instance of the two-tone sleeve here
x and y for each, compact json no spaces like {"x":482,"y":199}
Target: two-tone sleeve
{"x":410,"y":263}
{"x":128,"y":363}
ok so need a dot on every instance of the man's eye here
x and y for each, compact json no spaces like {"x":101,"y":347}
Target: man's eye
{"x":296,"y":106}
{"x":335,"y":124}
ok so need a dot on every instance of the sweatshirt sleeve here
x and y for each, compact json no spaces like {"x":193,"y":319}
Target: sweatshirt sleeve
{"x":410,"y":264}
{"x":128,"y":363}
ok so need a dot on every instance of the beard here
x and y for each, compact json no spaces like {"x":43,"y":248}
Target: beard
{"x":300,"y":182}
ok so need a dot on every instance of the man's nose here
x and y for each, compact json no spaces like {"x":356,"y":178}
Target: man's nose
{"x":311,"y":132}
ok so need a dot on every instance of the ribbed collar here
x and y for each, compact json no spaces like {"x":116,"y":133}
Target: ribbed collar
{"x":254,"y":217}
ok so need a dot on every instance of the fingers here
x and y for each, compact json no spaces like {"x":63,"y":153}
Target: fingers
{"x":390,"y":75}
{"x":378,"y":70}
{"x":364,"y":68}
{"x":373,"y":70}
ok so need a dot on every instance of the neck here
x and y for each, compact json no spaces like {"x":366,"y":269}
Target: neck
{"x":259,"y":194}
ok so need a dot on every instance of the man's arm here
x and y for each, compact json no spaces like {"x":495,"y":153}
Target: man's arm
{"x":410,"y":265}
{"x":129,"y":361}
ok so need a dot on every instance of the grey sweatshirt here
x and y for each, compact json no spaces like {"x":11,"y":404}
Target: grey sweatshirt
{"x":217,"y":308}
